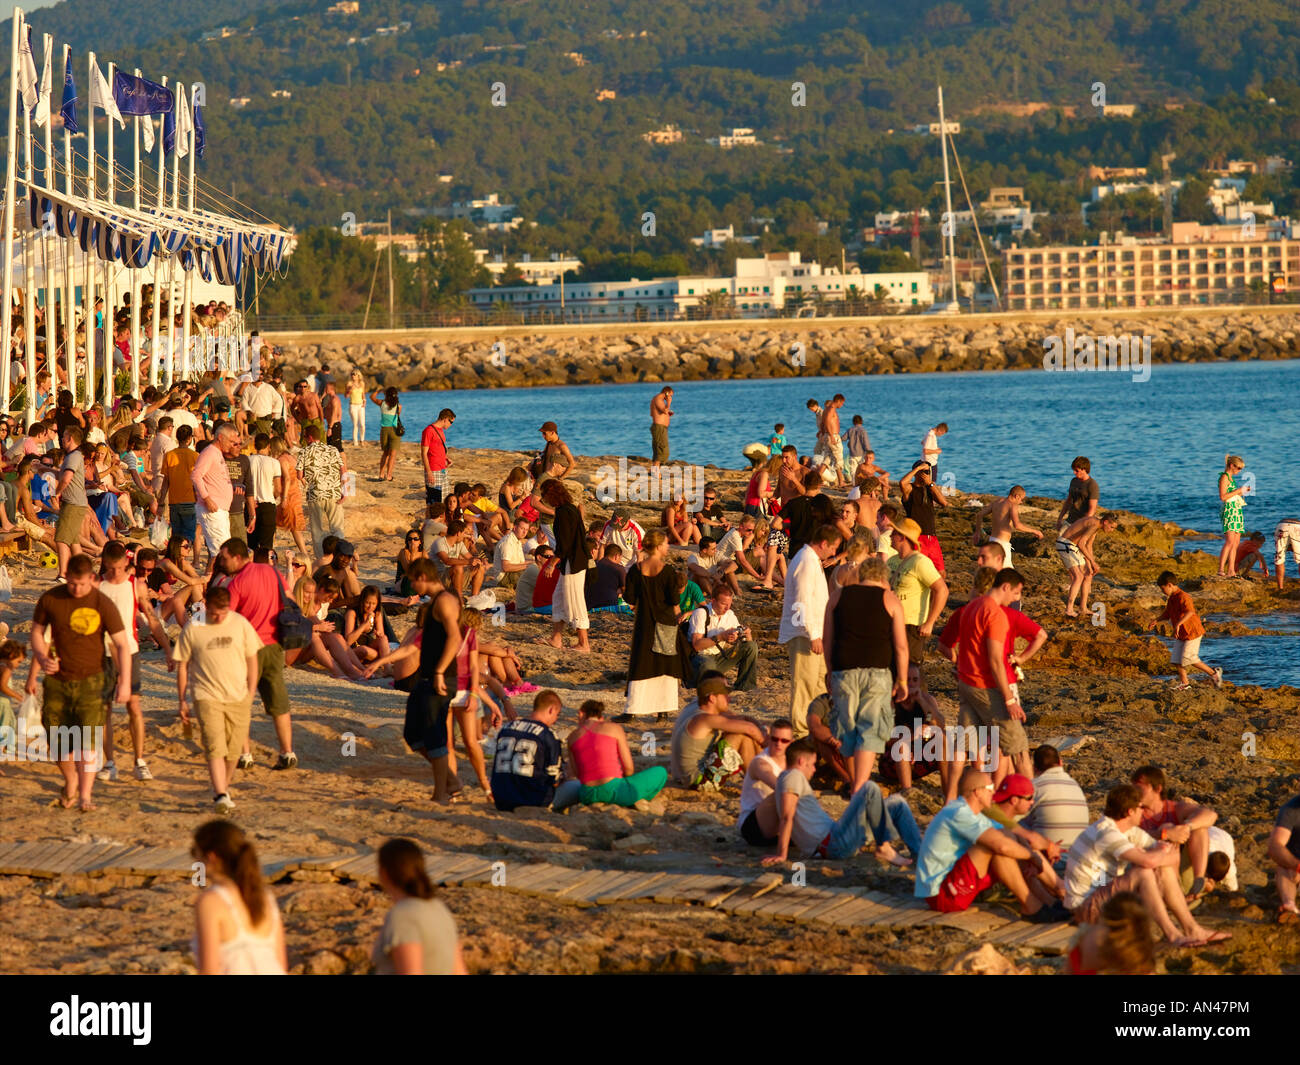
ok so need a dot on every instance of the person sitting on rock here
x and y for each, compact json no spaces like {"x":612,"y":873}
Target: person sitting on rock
{"x":601,"y":763}
{"x":1284,"y":851}
{"x":709,"y":745}
{"x":719,"y":641}
{"x":794,"y":815}
{"x":761,"y":776}
{"x":1113,"y":855}
{"x":1178,"y":821}
{"x":529,"y":761}
{"x":964,"y":851}
{"x":677,"y":520}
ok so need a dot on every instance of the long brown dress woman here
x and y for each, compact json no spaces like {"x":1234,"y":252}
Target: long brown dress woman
{"x":651,"y":590}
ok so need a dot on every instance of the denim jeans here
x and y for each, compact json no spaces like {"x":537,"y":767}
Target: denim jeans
{"x":887,"y":819}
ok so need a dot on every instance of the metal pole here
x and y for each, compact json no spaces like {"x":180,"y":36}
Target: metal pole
{"x":51,"y":319}
{"x":110,"y":275}
{"x":91,"y":196}
{"x":29,"y":278}
{"x":947,"y":196}
{"x":391,"y":320}
{"x":69,"y":258}
{"x":134,"y":274}
{"x":189,"y":274}
{"x":6,"y":328}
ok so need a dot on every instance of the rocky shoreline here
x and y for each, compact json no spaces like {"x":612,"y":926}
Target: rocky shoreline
{"x":514,"y":357}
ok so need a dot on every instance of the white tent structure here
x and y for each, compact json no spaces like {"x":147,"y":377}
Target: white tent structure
{"x":74,"y":235}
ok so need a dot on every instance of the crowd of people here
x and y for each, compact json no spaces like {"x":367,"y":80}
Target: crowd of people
{"x":863,"y":585}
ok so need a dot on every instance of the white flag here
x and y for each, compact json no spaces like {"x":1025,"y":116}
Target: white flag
{"x":42,"y":115}
{"x":101,"y":96}
{"x":184,"y":123}
{"x":146,"y":128}
{"x":27,"y":83}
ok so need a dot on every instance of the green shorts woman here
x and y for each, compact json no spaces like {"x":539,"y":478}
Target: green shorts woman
{"x":390,"y":414}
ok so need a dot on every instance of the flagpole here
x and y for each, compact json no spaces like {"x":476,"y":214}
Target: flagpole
{"x":189,"y":200}
{"x":51,"y":319}
{"x":69,"y":255}
{"x":154,"y":356}
{"x":91,"y":196}
{"x":110,"y":278}
{"x":181,"y":351}
{"x":134,"y":274}
{"x":29,"y":276}
{"x":6,"y":327}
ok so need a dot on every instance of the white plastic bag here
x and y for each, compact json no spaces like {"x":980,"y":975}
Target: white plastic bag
{"x":6,"y":585}
{"x":159,"y":533}
{"x":349,"y":485}
{"x":32,"y":738}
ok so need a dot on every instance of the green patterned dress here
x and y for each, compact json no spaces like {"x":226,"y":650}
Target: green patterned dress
{"x":1234,"y":518}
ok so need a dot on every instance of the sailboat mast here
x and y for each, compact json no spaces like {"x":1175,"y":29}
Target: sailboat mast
{"x":951,"y":226}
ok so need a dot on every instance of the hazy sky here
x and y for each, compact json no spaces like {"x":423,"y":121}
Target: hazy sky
{"x":32,"y":5}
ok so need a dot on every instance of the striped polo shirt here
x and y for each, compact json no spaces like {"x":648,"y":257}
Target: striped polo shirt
{"x":1059,"y":810}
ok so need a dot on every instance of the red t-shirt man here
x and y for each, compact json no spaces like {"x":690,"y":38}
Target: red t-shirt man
{"x":982,"y":618}
{"x":1019,"y":626}
{"x":433,"y":444}
{"x":255,"y":593}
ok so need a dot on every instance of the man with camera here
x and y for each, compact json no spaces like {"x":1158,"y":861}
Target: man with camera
{"x":719,"y":642}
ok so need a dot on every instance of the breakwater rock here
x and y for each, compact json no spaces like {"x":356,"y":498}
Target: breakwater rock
{"x":516,"y":356}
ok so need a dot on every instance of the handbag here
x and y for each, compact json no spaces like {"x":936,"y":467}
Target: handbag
{"x":399,"y":428}
{"x":295,"y":627}
{"x":665,"y":642}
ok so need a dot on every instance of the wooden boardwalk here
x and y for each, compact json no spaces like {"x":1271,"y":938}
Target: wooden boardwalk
{"x":767,"y":895}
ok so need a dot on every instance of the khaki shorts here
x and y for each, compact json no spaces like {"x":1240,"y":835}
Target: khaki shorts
{"x":223,"y":728}
{"x":1186,"y":652}
{"x":985,"y":708}
{"x":71,"y":519}
{"x":75,"y":704}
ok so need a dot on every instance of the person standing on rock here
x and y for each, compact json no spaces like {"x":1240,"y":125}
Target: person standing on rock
{"x":390,"y":413}
{"x":930,"y":449}
{"x":433,"y":456}
{"x":832,"y":442}
{"x":1082,"y":497}
{"x":306,"y":408}
{"x":660,"y":414}
{"x":321,"y":468}
{"x":332,"y":406}
{"x":1232,"y":513}
{"x":555,"y":459}
{"x":357,"y":407}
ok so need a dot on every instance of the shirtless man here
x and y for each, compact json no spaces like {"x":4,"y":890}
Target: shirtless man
{"x":1074,"y":545}
{"x":815,"y":409}
{"x":556,"y":460}
{"x":832,"y":442}
{"x":332,"y":408}
{"x":306,"y":408}
{"x":660,"y":413}
{"x":789,"y":481}
{"x":1005,"y":516}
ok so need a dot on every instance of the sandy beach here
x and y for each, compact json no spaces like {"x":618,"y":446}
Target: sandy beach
{"x":357,"y":783}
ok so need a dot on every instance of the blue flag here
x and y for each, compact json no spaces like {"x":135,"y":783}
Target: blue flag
{"x":169,"y":131}
{"x":69,"y":108}
{"x":139,"y":96}
{"x":200,"y":135}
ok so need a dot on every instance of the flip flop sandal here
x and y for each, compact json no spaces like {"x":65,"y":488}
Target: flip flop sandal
{"x":1285,"y":916}
{"x":63,"y":802}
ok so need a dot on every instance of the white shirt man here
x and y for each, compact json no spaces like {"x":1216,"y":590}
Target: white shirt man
{"x":508,"y":556}
{"x":802,"y":616}
{"x":261,"y":401}
{"x":707,"y":622}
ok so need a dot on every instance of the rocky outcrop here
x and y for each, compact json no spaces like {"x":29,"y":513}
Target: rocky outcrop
{"x":515,"y":357}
